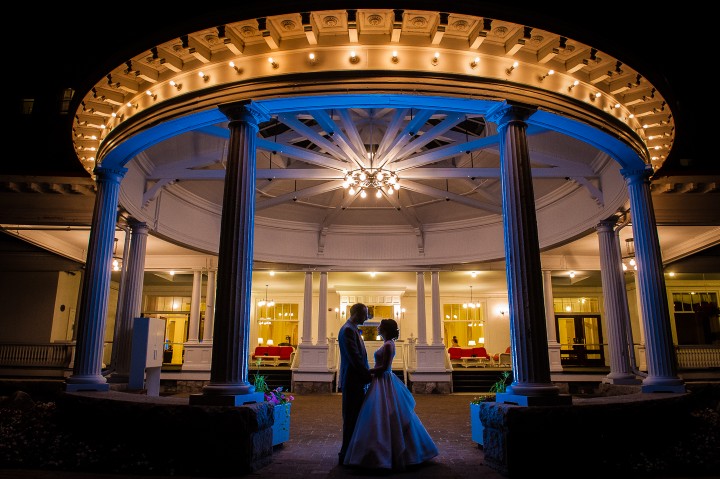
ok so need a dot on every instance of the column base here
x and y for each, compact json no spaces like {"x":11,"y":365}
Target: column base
{"x":663,"y":388}
{"x":78,"y":387}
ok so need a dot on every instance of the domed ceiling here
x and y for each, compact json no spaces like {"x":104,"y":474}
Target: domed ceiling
{"x":378,"y":130}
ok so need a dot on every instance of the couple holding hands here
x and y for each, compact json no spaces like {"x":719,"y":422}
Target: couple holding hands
{"x":380,"y":427}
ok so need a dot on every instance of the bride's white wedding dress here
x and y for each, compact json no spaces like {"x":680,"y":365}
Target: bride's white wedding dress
{"x":389,"y":434}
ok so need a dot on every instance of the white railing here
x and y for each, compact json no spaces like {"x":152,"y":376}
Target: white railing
{"x":698,"y":357}
{"x":47,"y":355}
{"x":59,"y":355}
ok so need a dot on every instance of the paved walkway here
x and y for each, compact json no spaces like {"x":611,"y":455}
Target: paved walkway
{"x":315,"y":436}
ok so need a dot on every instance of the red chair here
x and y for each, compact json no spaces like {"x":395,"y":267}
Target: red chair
{"x":260,"y":351}
{"x":455,"y":353}
{"x":503,"y":358}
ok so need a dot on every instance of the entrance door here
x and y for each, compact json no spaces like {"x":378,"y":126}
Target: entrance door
{"x":580,"y":337}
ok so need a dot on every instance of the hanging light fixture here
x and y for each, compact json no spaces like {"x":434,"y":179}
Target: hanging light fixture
{"x":628,"y":261}
{"x":471,"y":304}
{"x":266,"y":302}
{"x":378,"y":179}
{"x":116,"y":262}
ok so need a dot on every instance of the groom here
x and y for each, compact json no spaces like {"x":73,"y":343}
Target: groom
{"x":354,"y":372}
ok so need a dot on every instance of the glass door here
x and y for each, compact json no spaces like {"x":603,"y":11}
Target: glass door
{"x":580,"y":337}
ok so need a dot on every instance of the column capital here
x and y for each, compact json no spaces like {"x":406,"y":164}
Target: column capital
{"x":507,"y":112}
{"x":109,"y":173}
{"x":636,"y":175}
{"x":246,"y":111}
{"x":607,"y":224}
{"x":137,"y":225}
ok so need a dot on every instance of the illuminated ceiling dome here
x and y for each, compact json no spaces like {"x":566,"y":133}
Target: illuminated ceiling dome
{"x":407,"y":92}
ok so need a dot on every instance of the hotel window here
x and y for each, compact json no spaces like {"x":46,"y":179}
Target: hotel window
{"x":466,"y":322}
{"x":277,"y":323}
{"x":697,"y":318}
{"x":65,"y":99}
{"x":27,"y":106}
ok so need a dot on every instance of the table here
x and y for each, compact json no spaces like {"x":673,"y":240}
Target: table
{"x":267,"y":360}
{"x":471,"y":361}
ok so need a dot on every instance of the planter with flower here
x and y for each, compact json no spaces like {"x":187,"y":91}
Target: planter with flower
{"x":476,"y":425}
{"x":281,"y":410}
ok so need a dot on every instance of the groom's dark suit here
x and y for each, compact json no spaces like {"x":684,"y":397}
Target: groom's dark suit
{"x":354,"y":377}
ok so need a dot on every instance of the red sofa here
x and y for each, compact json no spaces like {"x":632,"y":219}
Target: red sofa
{"x":284,"y":353}
{"x":459,"y":353}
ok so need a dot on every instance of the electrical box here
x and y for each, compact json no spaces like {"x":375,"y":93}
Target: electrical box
{"x":147,"y":354}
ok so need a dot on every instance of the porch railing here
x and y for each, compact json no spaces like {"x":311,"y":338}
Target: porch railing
{"x":48,"y":355}
{"x":60,"y":356}
{"x":698,"y":357}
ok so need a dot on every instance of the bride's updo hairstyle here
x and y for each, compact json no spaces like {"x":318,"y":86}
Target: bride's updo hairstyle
{"x":390,"y":327}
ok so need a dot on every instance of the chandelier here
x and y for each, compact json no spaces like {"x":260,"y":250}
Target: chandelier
{"x":378,"y":179}
{"x":471,"y":304}
{"x":267,"y":304}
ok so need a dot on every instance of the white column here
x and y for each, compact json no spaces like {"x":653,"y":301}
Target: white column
{"x":532,"y":384}
{"x":307,"y":309}
{"x":436,"y":313}
{"x":209,"y":307}
{"x":553,"y":345}
{"x":131,"y":299}
{"x":430,"y":372}
{"x":87,"y":368}
{"x":194,"y":324}
{"x":421,"y":318}
{"x":322,"y":309}
{"x":616,"y":310}
{"x":660,"y":354}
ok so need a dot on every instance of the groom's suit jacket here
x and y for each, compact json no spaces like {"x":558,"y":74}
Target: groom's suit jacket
{"x":353,"y":357}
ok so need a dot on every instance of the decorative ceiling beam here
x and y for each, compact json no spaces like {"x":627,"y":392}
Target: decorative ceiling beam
{"x":295,"y":195}
{"x":449,"y":196}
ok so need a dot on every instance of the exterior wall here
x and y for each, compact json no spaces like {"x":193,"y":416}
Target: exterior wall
{"x":29,"y":299}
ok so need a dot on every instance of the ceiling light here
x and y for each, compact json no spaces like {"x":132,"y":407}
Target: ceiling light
{"x":395,"y":58}
{"x":312,"y":59}
{"x":435,"y":58}
{"x":273,"y":62}
{"x":512,"y":67}
{"x":471,"y":304}
{"x":354,"y":58}
{"x":203,"y":76}
{"x":475,"y":62}
{"x":177,"y":86}
{"x":375,"y":178}
{"x":574,"y":84}
{"x":265,"y":302}
{"x":151,"y":94}
{"x":235,"y":67}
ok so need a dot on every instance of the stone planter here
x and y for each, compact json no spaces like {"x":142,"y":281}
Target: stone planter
{"x":476,"y":426}
{"x":281,"y":426}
